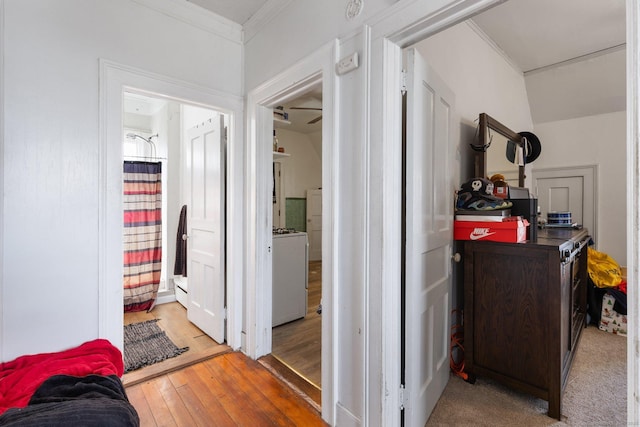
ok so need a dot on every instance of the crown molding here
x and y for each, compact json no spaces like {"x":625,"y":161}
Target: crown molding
{"x":263,"y":16}
{"x":196,"y":16}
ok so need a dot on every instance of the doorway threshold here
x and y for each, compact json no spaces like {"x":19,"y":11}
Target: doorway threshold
{"x":170,"y":365}
{"x":172,"y":319}
{"x":305,"y":388}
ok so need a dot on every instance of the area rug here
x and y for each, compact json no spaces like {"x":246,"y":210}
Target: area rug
{"x":145,"y":344}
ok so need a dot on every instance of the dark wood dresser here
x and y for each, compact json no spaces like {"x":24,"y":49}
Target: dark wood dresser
{"x":525,"y":307}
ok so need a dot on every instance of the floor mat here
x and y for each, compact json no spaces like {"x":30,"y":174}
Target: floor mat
{"x":145,"y":344}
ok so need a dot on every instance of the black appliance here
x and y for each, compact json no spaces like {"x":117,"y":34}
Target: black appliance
{"x":528,"y":209}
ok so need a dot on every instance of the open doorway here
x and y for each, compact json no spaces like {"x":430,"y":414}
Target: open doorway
{"x":512,"y":99}
{"x":115,"y":80}
{"x":186,"y":145}
{"x":299,"y":79}
{"x":297,"y":240}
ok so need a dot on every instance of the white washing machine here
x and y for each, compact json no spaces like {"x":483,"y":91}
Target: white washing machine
{"x":290,"y":271}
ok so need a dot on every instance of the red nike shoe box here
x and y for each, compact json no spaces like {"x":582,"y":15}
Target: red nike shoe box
{"x":511,"y":230}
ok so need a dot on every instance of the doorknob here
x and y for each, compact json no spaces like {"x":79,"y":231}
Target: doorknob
{"x":456,"y":257}
{"x":185,"y":237}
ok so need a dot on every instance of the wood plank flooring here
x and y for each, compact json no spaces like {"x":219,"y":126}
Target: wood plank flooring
{"x":227,"y":390}
{"x":173,"y":320}
{"x":298,"y":344}
{"x":209,"y":385}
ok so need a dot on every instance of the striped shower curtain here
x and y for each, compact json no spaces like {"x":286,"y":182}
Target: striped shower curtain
{"x":142,"y":234}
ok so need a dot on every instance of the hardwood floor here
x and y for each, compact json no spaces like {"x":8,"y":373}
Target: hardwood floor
{"x":298,"y":344}
{"x":227,"y":390}
{"x":173,"y":320}
{"x":210,"y":385}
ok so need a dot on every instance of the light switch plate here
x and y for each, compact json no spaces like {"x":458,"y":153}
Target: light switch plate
{"x":347,"y":64}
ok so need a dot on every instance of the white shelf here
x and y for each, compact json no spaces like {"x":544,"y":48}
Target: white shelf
{"x":286,"y":122}
{"x":277,"y":155}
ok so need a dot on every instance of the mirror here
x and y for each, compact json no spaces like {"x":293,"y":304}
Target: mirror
{"x":499,"y":151}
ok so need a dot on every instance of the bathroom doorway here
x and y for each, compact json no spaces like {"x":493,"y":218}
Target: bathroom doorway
{"x":161,"y":130}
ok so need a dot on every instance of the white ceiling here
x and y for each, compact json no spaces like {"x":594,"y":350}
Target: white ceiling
{"x":572,"y":53}
{"x":142,"y":105}
{"x":238,"y":11}
{"x":539,"y":33}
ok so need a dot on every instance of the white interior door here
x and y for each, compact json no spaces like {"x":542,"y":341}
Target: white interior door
{"x":570,"y":189}
{"x":429,"y":238}
{"x":561,"y":195}
{"x":205,"y":225}
{"x":314,"y":224}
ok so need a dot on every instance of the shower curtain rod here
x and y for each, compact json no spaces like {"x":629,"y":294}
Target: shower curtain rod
{"x":149,"y":141}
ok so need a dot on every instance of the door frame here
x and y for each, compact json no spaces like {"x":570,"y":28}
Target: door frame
{"x":297,"y":79}
{"x":388,"y":34}
{"x":115,"y":79}
{"x":387,"y":37}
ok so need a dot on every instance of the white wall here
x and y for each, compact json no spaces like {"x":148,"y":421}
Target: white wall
{"x":316,"y":141}
{"x":174,"y":180}
{"x":136,"y":121}
{"x":482,"y":81}
{"x":51,"y":149}
{"x":300,"y":28}
{"x":303,"y":170}
{"x":594,"y":140}
{"x":166,"y":124}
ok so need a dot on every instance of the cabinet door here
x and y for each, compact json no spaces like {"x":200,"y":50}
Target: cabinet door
{"x":507,"y":298}
{"x":578,"y":308}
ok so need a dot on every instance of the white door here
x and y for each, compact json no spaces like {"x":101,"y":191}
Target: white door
{"x":429,"y":238}
{"x":561,"y":195}
{"x":314,"y":224}
{"x":570,"y":189}
{"x":205,"y":225}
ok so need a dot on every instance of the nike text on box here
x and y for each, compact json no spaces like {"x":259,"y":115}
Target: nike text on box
{"x":507,"y":231}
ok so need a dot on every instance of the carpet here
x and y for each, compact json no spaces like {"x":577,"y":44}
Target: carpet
{"x":596,"y":393}
{"x":145,"y":344}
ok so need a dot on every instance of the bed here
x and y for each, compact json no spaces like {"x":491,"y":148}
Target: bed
{"x":78,"y":386}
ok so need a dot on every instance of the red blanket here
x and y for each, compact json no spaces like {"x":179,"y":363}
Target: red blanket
{"x":20,"y":378}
